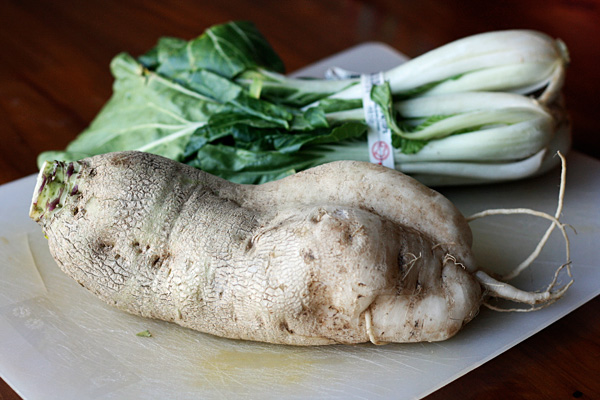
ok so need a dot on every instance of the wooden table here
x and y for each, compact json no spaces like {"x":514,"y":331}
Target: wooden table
{"x":54,"y":78}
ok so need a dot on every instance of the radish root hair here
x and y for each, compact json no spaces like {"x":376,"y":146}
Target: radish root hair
{"x":411,"y":263}
{"x":499,"y":289}
{"x":369,"y":328}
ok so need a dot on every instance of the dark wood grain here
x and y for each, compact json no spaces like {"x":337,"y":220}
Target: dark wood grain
{"x":54,"y":78}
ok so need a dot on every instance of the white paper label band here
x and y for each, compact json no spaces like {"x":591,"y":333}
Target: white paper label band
{"x":379,"y":135}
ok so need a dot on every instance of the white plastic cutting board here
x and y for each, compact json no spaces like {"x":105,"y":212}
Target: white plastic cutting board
{"x":57,"y":341}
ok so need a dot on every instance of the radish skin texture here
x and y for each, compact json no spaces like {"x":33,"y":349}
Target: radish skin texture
{"x":347,"y":252}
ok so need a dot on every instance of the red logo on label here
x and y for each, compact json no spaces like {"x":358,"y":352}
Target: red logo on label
{"x":380,"y":151}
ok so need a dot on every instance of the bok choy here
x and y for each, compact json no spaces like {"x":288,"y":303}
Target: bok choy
{"x":481,"y":109}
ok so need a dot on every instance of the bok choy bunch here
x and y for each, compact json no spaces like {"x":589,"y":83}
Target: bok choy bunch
{"x":481,"y":109}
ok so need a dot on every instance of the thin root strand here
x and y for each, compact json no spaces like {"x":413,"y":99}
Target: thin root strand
{"x":369,"y":328}
{"x":537,"y":300}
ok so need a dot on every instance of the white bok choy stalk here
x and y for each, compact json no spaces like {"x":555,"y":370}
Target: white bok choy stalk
{"x":488,"y":106}
{"x":473,"y":137}
{"x":517,"y":61}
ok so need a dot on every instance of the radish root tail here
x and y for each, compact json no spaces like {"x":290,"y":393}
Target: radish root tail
{"x":499,"y":289}
{"x":369,"y":328}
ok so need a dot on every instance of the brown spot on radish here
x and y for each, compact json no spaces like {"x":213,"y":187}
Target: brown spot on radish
{"x":103,"y":246}
{"x":118,"y":159}
{"x":308,"y":256}
{"x":400,"y":260}
{"x":285,"y":327}
{"x":136,"y":247}
{"x":349,"y":238}
{"x":156,"y":261}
